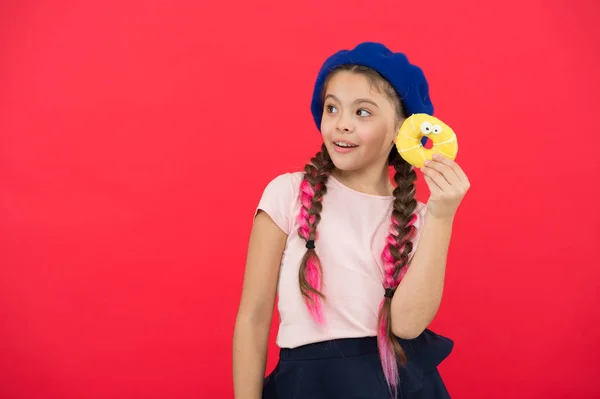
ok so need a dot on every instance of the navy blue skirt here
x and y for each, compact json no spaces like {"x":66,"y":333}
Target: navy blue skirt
{"x":350,"y":369}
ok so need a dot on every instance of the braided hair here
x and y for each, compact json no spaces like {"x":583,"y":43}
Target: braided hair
{"x":312,"y":190}
{"x":398,"y":245}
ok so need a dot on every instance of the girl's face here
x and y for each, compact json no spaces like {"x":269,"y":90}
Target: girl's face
{"x":359,"y":124}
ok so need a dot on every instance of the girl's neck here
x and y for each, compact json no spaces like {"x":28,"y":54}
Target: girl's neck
{"x":373,"y":182}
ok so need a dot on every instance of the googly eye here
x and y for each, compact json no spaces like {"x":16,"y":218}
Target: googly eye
{"x":426,"y":127}
{"x":437,"y":129}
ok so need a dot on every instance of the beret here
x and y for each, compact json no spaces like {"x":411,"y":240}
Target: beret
{"x":407,"y":79}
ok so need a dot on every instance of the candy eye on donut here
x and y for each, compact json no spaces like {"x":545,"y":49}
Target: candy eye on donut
{"x":426,"y":127}
{"x":437,"y":129}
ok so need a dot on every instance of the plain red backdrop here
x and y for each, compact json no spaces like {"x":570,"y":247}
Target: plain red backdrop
{"x":134,"y":147}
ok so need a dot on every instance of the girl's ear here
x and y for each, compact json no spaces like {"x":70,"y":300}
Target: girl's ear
{"x":399,"y":125}
{"x":396,"y":133}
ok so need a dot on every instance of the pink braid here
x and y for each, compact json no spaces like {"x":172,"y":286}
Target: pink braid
{"x":312,"y":190}
{"x":313,"y":266}
{"x":392,"y":279}
{"x":395,"y":262}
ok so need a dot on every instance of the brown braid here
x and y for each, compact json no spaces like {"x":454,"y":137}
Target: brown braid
{"x":315,"y":178}
{"x":398,"y":244}
{"x":404,"y":206}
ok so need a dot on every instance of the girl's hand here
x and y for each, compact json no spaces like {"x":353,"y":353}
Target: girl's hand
{"x":448,"y":185}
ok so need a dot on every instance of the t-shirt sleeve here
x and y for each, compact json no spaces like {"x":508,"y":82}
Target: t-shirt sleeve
{"x":277,"y":201}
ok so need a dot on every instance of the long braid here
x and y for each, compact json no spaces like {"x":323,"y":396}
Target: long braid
{"x":395,"y":257}
{"x":312,"y":190}
{"x":395,"y":254}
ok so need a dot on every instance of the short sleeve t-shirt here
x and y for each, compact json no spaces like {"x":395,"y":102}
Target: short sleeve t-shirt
{"x":351,"y":237}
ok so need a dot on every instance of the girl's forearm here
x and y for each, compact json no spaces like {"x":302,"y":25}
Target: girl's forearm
{"x":250,"y":342}
{"x":418,"y":297}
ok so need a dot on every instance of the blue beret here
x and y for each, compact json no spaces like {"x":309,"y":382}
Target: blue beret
{"x":407,"y":79}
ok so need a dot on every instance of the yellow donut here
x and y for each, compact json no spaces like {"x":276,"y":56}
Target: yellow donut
{"x":418,"y":126}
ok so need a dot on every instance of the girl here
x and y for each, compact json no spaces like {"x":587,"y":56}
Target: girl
{"x":338,"y":244}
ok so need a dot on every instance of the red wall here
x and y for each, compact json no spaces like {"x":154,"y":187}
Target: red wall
{"x":133,"y":150}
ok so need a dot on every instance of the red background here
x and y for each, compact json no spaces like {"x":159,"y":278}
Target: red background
{"x":134,"y":148}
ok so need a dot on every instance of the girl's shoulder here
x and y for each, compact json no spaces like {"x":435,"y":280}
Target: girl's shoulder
{"x":279,"y":197}
{"x":284,"y":184}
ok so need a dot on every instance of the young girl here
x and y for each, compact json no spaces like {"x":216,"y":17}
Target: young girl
{"x":358,"y":264}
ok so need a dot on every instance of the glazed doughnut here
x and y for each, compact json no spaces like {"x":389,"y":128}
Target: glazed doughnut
{"x":410,"y":143}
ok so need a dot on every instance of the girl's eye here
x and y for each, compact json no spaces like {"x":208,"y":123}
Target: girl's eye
{"x":331,"y":108}
{"x":364,"y":112}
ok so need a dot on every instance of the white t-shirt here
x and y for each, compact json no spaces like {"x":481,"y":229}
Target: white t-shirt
{"x":351,"y":238}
